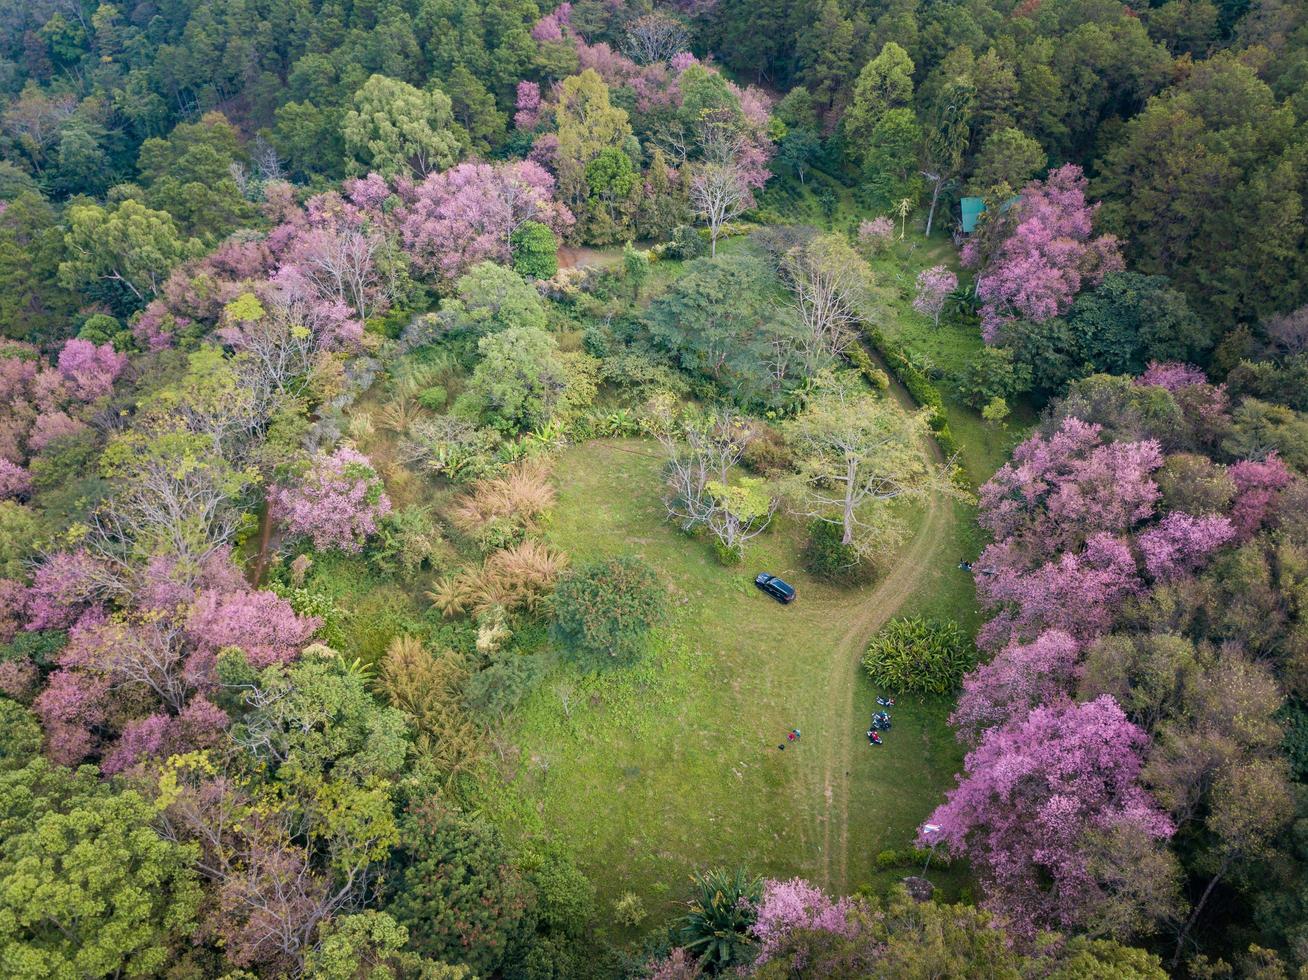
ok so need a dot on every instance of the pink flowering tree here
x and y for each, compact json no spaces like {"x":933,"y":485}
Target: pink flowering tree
{"x":1080,"y":592}
{"x":337,"y":503}
{"x":1039,"y":808}
{"x":1049,"y":256}
{"x":1021,"y":676}
{"x":1258,"y":484}
{"x":262,"y":624}
{"x":469,"y":213}
{"x":527,"y":115}
{"x":1181,"y":543}
{"x":73,"y":709}
{"x":1058,"y":490}
{"x":90,"y":370}
{"x":1172,"y":375}
{"x":933,"y":288}
{"x":877,"y":234}
{"x":15,"y":481}
{"x":797,"y":904}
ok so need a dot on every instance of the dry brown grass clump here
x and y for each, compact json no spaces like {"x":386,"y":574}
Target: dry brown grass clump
{"x":518,"y":577}
{"x":518,"y":497}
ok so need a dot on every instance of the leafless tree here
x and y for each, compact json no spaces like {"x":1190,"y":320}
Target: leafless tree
{"x":719,"y":195}
{"x":267,"y":164}
{"x":702,"y":452}
{"x":163,"y":505}
{"x":147,"y":652}
{"x":828,"y":283}
{"x":655,"y":38}
{"x":340,"y":265}
{"x":1288,"y":332}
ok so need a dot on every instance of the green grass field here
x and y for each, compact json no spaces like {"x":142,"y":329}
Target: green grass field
{"x":649,"y":774}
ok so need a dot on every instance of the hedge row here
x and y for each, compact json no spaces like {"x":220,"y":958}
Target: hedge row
{"x":918,"y":384}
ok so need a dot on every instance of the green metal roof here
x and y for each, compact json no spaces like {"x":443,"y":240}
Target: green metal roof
{"x":972,"y":208}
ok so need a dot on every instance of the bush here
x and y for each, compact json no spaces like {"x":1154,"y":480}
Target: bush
{"x":434,"y":398}
{"x":535,"y":251}
{"x":918,"y":384}
{"x":686,"y":243}
{"x":920,"y":656}
{"x":605,"y":609}
{"x":629,"y":910}
{"x":825,"y":557}
{"x":501,"y":686}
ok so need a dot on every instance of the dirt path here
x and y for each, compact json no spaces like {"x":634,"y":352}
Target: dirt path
{"x":841,"y":746}
{"x":844,"y":737}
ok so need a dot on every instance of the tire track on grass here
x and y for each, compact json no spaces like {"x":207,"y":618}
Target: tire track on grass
{"x":843,"y":734}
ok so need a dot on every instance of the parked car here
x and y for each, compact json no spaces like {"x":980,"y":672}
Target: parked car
{"x":781,"y":591}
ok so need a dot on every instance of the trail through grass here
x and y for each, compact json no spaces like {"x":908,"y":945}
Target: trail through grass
{"x":649,"y":774}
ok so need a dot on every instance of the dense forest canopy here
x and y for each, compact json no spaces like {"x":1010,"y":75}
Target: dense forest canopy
{"x":305,"y":624}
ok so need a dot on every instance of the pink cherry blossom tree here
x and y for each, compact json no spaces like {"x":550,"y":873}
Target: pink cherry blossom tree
{"x":527,"y":115}
{"x":797,"y":904}
{"x":1021,"y":676}
{"x":15,"y":481}
{"x":1172,"y":375}
{"x":337,"y":503}
{"x":1181,"y":543}
{"x":262,"y":624}
{"x":90,"y":370}
{"x":1057,"y":490}
{"x":1036,"y":802}
{"x":1047,"y":259}
{"x":469,"y":213}
{"x":1258,"y":483}
{"x":1080,"y":592}
{"x":933,"y":288}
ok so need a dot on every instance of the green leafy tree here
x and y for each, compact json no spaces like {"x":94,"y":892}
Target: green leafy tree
{"x":520,"y":381}
{"x":605,"y":609}
{"x":474,"y":109}
{"x":87,"y":887}
{"x":1007,"y":160}
{"x":854,"y":451}
{"x":395,"y":129}
{"x":885,"y":83}
{"x":33,"y":302}
{"x":370,"y":946}
{"x":588,"y":124}
{"x":122,"y":254}
{"x":458,"y":892}
{"x":189,"y":175}
{"x":947,"y":137}
{"x":309,"y":139}
{"x":492,"y":298}
{"x":535,"y":250}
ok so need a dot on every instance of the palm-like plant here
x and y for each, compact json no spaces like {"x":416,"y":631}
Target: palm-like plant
{"x":724,"y":906}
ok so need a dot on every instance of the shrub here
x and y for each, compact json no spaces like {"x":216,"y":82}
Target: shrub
{"x":500,"y":687}
{"x":826,"y":557}
{"x":406,"y":538}
{"x":535,"y":251}
{"x":605,"y":609}
{"x":920,"y":656}
{"x":434,"y":398}
{"x":429,"y":689}
{"x":515,"y":499}
{"x":629,"y":910}
{"x":723,"y":907}
{"x":686,"y":243}
{"x":767,"y":453}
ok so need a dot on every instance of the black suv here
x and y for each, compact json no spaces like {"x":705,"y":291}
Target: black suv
{"x":773,"y":586}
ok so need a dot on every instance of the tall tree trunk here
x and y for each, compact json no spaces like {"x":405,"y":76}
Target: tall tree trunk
{"x":935,"y":198}
{"x":1184,"y":934}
